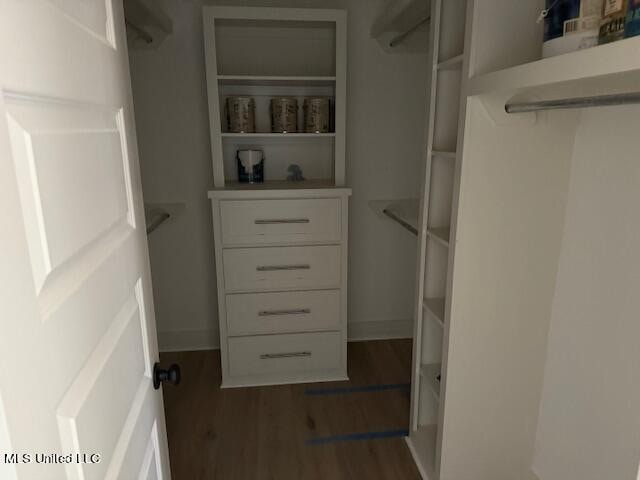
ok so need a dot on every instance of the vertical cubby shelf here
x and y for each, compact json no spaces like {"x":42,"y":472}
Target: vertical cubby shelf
{"x":449,"y":65}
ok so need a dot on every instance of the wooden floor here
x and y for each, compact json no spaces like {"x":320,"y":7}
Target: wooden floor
{"x":262,"y":432}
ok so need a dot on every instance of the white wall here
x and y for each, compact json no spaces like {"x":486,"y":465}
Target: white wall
{"x":385,"y":131}
{"x":589,"y":423}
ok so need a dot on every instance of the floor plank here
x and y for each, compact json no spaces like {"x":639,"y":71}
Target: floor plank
{"x":260,"y":433}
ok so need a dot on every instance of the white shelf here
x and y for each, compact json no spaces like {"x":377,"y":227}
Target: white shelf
{"x":439,"y":234}
{"x":605,"y":67}
{"x":278,"y":135}
{"x":256,"y":80}
{"x":279,"y":185}
{"x":443,"y":154}
{"x":454,"y":63}
{"x":429,"y":373}
{"x":435,"y":306}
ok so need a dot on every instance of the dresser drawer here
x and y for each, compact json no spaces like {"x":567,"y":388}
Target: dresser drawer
{"x":256,"y":313}
{"x":281,"y":267}
{"x":284,"y":354}
{"x":250,"y":222}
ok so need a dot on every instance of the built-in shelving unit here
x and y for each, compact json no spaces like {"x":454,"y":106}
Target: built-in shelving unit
{"x":281,"y":244}
{"x":449,"y":59}
{"x":262,"y":58}
{"x":500,"y":314}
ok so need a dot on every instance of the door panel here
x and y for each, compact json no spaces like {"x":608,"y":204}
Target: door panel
{"x":78,"y":338}
{"x":64,"y":155}
{"x":95,"y":16}
{"x":114,"y":374}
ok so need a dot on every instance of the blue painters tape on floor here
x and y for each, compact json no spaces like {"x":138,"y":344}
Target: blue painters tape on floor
{"x":350,"y":437}
{"x":366,"y":388}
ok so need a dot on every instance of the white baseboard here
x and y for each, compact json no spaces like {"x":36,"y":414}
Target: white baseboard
{"x":380,"y":330}
{"x":188,"y":340}
{"x":191,"y":340}
{"x":416,"y":459}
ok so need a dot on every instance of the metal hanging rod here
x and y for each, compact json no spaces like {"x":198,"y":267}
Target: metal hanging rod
{"x":578,"y":102}
{"x":157,"y":220}
{"x":396,"y":218}
{"x":141,"y":32}
{"x":400,"y":37}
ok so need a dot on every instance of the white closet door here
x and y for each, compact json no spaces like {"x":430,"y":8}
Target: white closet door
{"x":78,"y":339}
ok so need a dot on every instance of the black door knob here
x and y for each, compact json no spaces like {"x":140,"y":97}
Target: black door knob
{"x":171,"y":375}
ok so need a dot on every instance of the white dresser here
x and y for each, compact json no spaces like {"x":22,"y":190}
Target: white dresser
{"x":281,"y":264}
{"x":280,"y":245}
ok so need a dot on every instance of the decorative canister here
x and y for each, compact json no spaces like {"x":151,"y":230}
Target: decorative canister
{"x":570,"y":25}
{"x":614,"y":14}
{"x":250,"y":166}
{"x":241,"y":114}
{"x":284,"y":115}
{"x":316,"y":114}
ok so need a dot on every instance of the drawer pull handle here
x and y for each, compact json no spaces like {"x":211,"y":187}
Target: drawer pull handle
{"x":269,"y":313}
{"x":273,"y":268}
{"x":277,"y":221}
{"x":270,"y":356}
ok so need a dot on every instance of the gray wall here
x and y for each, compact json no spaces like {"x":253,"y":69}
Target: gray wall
{"x":386,"y":111}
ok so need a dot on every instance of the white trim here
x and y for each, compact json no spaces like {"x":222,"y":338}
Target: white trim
{"x":416,"y":458}
{"x":279,"y":379}
{"x":189,"y":340}
{"x":379,"y":330}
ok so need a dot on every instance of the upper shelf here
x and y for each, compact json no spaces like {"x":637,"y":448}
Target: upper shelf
{"x":258,"y":80}
{"x":278,"y":135}
{"x":606,"y":68}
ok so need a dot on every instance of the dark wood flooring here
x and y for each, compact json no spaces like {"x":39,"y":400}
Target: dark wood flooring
{"x":260,"y":433}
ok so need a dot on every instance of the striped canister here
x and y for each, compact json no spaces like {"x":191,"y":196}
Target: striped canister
{"x":241,"y":114}
{"x":284,"y":115}
{"x":316,"y":114}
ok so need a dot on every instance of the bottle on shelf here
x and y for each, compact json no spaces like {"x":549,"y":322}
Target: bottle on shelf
{"x":632,"y":23}
{"x":614,"y":14}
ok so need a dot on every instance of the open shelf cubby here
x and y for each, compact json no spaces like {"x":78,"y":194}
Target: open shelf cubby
{"x":258,"y":53}
{"x":275,"y":47}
